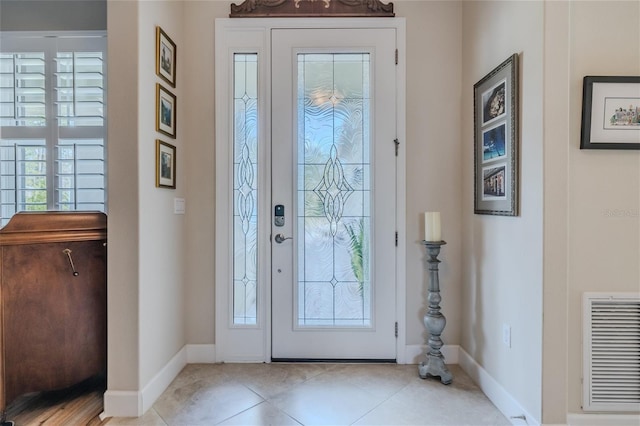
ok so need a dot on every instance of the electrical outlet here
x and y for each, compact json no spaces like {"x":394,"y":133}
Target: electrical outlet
{"x":506,"y":335}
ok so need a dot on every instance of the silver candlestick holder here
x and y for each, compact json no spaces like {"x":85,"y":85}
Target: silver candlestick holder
{"x":434,"y":321}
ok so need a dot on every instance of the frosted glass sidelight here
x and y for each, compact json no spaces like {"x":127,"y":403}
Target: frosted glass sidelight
{"x":245,"y":188}
{"x":333,"y":190}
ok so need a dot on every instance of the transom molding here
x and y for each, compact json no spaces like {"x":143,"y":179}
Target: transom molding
{"x":311,"y":8}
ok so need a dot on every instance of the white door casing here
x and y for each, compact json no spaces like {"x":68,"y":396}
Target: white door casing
{"x":253,"y":342}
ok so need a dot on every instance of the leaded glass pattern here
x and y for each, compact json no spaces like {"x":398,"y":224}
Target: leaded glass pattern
{"x":334,"y":190}
{"x":245,"y":188}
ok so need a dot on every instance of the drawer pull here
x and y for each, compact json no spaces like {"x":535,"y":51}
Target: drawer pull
{"x":73,"y":268}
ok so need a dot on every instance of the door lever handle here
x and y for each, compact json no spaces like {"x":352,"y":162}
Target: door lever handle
{"x":280,"y":238}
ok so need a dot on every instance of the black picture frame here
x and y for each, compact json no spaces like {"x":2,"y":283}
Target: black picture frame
{"x":496,"y":161}
{"x":610,"y":112}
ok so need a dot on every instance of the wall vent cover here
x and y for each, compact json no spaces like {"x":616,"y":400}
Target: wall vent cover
{"x":611,"y":352}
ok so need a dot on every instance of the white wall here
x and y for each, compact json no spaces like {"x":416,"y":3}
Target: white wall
{"x":146,"y":240}
{"x":502,"y":256}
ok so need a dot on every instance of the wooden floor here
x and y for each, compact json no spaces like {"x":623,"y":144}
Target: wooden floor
{"x":78,"y":405}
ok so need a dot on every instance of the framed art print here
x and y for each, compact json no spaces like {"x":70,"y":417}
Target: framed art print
{"x":165,"y":111}
{"x":610,"y":113}
{"x":165,"y":165}
{"x":495,"y":100}
{"x":165,"y":57}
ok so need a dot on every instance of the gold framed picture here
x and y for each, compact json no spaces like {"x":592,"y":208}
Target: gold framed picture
{"x":165,"y":165}
{"x":165,"y":111}
{"x":165,"y":57}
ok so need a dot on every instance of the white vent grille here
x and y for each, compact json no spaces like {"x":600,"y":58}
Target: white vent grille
{"x":611,"y":352}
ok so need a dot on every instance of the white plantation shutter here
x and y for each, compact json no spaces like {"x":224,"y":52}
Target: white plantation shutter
{"x":22,"y":89}
{"x":53,"y":123}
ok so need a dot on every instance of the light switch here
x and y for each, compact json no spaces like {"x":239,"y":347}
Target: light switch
{"x":178,"y":205}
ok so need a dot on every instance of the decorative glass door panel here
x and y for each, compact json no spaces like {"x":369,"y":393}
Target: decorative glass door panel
{"x":334,"y":203}
{"x":333,"y":184}
{"x":245,"y":188}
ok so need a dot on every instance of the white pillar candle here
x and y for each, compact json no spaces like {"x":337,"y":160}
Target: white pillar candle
{"x":432,"y":231}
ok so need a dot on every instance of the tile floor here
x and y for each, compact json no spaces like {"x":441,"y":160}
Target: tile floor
{"x":317,"y":394}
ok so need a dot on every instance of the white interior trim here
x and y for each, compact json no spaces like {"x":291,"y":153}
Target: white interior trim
{"x":582,"y":419}
{"x":239,"y":344}
{"x":121,"y":404}
{"x":152,"y":390}
{"x":201,"y":354}
{"x":401,"y":192}
{"x":498,"y":395}
{"x":414,"y":354}
{"x":136,"y":403}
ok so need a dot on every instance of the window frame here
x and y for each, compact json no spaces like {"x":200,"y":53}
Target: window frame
{"x":51,"y":43}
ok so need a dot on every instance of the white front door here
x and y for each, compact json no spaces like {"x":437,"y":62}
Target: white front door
{"x":333,"y":193}
{"x":309,"y":203}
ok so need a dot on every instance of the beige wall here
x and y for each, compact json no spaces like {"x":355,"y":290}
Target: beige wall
{"x":592,"y":224}
{"x":146,"y":239}
{"x":556,"y":137}
{"x":433,"y":153}
{"x":162,"y":233}
{"x":161,"y":277}
{"x":123,"y":245}
{"x":200,"y":132}
{"x":434,"y":71}
{"x":604,"y":186}
{"x":502,"y":256}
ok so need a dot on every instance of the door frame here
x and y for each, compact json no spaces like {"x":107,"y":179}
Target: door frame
{"x":238,"y":35}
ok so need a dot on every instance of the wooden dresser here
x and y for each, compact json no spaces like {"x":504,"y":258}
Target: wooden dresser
{"x":53,"y":310}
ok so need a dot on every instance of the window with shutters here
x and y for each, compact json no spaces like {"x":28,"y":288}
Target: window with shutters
{"x":52,"y":122}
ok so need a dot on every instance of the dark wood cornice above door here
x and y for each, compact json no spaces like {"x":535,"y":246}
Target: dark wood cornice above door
{"x":311,"y":8}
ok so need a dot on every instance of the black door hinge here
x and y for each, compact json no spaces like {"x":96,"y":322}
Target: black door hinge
{"x":397,"y":142}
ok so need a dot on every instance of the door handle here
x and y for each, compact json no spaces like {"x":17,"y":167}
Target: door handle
{"x":73,"y":268}
{"x":280,"y":238}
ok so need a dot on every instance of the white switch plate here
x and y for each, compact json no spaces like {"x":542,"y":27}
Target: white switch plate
{"x":178,"y":205}
{"x":506,"y":335}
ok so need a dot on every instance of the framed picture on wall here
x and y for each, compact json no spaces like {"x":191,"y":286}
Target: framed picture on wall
{"x":165,"y":57}
{"x":165,"y":165}
{"x":165,"y":111}
{"x":495,"y":101}
{"x":610,"y":113}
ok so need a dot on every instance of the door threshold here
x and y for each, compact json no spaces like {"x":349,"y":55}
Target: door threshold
{"x":335,"y":360}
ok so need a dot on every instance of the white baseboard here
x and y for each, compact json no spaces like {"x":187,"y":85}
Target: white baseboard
{"x":121,"y":404}
{"x":201,"y":354}
{"x":163,"y":379}
{"x":582,"y":419}
{"x":414,"y":354}
{"x":507,"y":404}
{"x":136,"y":403}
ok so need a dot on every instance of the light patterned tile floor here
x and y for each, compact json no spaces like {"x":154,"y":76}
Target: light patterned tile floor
{"x":317,"y":394}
